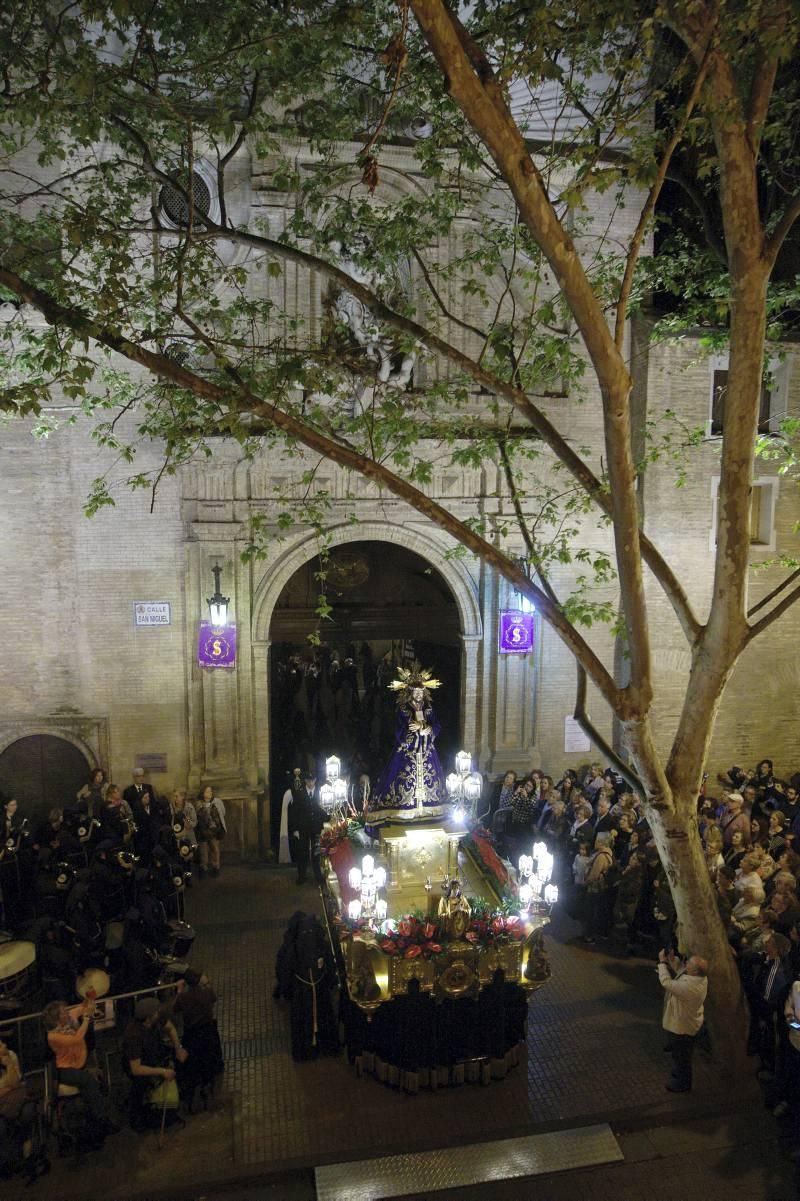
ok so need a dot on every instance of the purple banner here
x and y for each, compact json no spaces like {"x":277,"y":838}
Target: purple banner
{"x":516,"y":632}
{"x":216,"y":646}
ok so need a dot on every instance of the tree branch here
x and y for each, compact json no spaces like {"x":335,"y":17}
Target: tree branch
{"x":590,"y":730}
{"x":474,"y":87}
{"x":773,"y":244}
{"x":604,"y":499}
{"x":715,"y":244}
{"x":766,"y":68}
{"x":426,"y":275}
{"x":647,"y":212}
{"x":773,"y":615}
{"x":775,"y":592}
{"x":242,"y":400}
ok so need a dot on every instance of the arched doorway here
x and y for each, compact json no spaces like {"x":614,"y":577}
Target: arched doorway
{"x":42,"y":771}
{"x":389,"y":606}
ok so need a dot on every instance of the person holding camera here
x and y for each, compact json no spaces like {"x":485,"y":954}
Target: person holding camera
{"x":685,"y":987}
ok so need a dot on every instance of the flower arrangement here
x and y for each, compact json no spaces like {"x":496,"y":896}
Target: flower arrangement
{"x":415,"y":935}
{"x":479,"y":841}
{"x":411,"y":937}
{"x":346,"y":830}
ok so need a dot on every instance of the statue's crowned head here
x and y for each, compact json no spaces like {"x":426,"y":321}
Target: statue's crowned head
{"x":413,"y":685}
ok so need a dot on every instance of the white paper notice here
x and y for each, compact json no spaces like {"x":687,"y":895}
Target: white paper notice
{"x":575,"y":741}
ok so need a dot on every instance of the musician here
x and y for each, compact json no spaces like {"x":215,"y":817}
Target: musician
{"x":180,"y":807}
{"x":116,"y":818}
{"x":147,"y":820}
{"x":14,"y":825}
{"x":66,"y":1037}
{"x":107,"y":881}
{"x":48,"y":832}
{"x":91,"y":796}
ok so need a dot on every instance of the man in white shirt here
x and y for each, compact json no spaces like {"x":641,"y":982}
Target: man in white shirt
{"x":685,"y":987}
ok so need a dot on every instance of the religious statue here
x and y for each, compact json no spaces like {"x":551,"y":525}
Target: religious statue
{"x":411,"y":786}
{"x":395,"y":367}
{"x":454,"y":911}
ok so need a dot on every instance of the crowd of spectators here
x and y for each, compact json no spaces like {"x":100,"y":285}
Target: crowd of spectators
{"x":98,"y":889}
{"x":612,"y":882}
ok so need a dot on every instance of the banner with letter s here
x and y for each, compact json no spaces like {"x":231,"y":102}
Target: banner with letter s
{"x":516,"y":632}
{"x":216,"y":645}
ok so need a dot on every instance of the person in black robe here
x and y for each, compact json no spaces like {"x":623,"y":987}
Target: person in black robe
{"x":311,"y":975}
{"x":306,"y":818}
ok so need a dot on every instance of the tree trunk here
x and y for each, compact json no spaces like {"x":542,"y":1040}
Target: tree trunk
{"x":700,"y":928}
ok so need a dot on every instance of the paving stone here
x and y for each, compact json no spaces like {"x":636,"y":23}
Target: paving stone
{"x":594,"y":1049}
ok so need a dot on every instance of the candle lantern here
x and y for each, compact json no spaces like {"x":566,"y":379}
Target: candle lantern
{"x":463,"y":763}
{"x":453,"y":785}
{"x":326,"y":797}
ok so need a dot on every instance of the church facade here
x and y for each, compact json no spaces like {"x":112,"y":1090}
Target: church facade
{"x":104,"y":651}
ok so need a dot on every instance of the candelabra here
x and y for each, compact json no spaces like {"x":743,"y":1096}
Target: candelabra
{"x":535,"y":872}
{"x":333,"y":793}
{"x":368,"y":880}
{"x":464,"y":787}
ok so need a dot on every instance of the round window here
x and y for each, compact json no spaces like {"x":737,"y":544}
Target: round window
{"x":176,"y":205}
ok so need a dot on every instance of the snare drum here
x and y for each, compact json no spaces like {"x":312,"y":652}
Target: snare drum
{"x":181,"y":937}
{"x":17,"y":969}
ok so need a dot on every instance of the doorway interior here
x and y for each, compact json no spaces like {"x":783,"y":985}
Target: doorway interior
{"x":43,"y":772}
{"x":389,"y":606}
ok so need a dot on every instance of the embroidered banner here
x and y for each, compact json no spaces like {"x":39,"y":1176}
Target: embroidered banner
{"x":516,"y":632}
{"x":216,"y":645}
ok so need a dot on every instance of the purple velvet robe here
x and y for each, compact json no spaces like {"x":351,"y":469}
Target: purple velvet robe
{"x":412,"y":783}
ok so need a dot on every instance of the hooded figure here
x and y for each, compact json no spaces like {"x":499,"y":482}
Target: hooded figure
{"x":306,"y":976}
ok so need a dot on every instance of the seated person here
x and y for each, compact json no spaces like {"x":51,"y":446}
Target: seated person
{"x":66,"y":1037}
{"x":148,"y":1047}
{"x":17,"y":1116}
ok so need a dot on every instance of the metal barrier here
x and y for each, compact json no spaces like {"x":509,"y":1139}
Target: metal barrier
{"x":30,"y":1041}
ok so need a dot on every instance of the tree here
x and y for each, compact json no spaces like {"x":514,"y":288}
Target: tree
{"x":121,"y":227}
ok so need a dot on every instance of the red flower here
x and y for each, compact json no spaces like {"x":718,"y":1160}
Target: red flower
{"x":512,"y":921}
{"x":405,"y":928}
{"x":471,"y":936}
{"x":433,"y":947}
{"x":388,"y":946}
{"x":429,"y":930}
{"x":498,"y":925}
{"x":413,"y":952}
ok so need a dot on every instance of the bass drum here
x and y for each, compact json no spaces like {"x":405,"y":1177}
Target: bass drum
{"x":17,"y":969}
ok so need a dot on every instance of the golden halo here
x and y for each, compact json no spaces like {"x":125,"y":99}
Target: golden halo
{"x":414,"y":677}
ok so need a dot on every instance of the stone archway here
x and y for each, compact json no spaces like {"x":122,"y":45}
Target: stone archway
{"x":44,"y":769}
{"x":454,"y":572}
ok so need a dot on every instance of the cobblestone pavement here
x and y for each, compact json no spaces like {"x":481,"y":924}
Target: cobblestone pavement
{"x":595,"y":1053}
